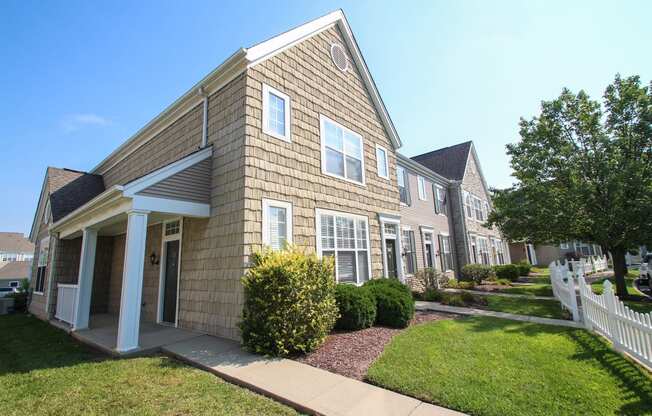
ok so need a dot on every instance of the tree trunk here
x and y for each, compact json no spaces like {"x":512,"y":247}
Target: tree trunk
{"x":620,"y":270}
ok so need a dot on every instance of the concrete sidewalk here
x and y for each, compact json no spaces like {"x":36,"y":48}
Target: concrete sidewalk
{"x":307,"y":389}
{"x":438,"y":307}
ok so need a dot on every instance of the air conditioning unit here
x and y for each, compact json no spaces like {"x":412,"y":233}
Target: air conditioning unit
{"x":6,"y":306}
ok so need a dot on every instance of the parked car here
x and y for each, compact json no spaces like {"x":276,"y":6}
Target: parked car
{"x":4,"y":291}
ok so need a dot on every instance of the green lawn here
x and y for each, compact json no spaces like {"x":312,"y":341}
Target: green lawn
{"x":643,"y":307}
{"x":536,"y":289}
{"x":496,"y":367}
{"x":520,"y":306}
{"x":43,"y":372}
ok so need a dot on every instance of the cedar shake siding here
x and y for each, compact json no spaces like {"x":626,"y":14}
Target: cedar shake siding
{"x":292,"y":171}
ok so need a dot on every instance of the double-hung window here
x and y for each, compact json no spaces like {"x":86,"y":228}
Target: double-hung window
{"x":468,"y":204}
{"x":346,"y":238}
{"x":409,"y":252}
{"x":277,"y":224}
{"x":440,"y":200}
{"x":483,"y":246}
{"x":276,"y":113}
{"x":381,"y":161}
{"x":445,"y":252}
{"x":477,"y":207}
{"x":342,"y":152}
{"x":44,"y":248}
{"x":421,"y":182}
{"x":403,"y":187}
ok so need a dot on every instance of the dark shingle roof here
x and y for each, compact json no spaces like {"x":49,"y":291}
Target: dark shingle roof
{"x":75,"y":193}
{"x":15,"y":270}
{"x":15,"y":243}
{"x":449,"y":162}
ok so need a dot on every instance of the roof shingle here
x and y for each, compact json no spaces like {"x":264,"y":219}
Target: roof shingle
{"x":15,"y":243}
{"x":449,"y":162}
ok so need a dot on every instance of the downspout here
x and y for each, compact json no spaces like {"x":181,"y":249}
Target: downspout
{"x":204,"y":133}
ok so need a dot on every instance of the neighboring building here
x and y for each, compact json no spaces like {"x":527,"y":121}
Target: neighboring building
{"x":15,"y":247}
{"x":279,"y":144}
{"x":544,"y":254}
{"x":13,"y":272}
{"x":470,"y":203}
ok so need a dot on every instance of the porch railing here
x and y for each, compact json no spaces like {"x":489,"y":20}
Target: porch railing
{"x":66,"y":303}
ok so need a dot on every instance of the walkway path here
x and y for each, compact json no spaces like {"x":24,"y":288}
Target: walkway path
{"x":505,"y":295}
{"x":438,"y":307}
{"x":307,"y":389}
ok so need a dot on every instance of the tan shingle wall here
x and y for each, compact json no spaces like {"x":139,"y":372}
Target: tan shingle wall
{"x":473,"y":183}
{"x":292,"y":171}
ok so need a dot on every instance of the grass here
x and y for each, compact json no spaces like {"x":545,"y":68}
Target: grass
{"x":521,"y":306}
{"x":535,"y":289}
{"x":643,"y":307}
{"x":495,"y":367}
{"x":43,"y":372}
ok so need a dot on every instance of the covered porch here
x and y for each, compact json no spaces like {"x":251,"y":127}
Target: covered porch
{"x":118,"y":259}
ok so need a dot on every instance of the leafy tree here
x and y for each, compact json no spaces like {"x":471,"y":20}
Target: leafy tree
{"x":584,"y":172}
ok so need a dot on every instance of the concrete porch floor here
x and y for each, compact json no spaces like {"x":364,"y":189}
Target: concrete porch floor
{"x":103,"y":332}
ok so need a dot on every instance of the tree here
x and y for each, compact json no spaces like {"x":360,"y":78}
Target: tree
{"x":584,"y":172}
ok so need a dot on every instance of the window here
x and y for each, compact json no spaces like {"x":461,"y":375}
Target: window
{"x":468,"y":204}
{"x":428,"y":250}
{"x":473,"y":241}
{"x":477,"y":207}
{"x":483,"y":248}
{"x":485,"y":211}
{"x":277,"y":223}
{"x":342,"y":152}
{"x":381,"y":161}
{"x":445,"y":252}
{"x":409,"y":252}
{"x":14,"y":283}
{"x":422,"y":188}
{"x":44,"y":248}
{"x":403,"y":188}
{"x":498,"y":251}
{"x":441,"y":205}
{"x":564,"y":246}
{"x":276,"y":113}
{"x":8,"y":256}
{"x":345,"y":237}
{"x":172,"y":228}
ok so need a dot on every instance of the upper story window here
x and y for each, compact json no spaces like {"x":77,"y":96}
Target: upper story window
{"x":276,"y":113}
{"x":381,"y":161}
{"x":342,"y":151}
{"x":477,"y":207}
{"x":441,"y":205}
{"x":277,"y":223}
{"x":403,"y":187}
{"x":468,"y":204}
{"x":421,"y":182}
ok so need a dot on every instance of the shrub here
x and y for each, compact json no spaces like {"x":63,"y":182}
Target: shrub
{"x":503,"y":282}
{"x":432,"y":295}
{"x":524,"y":268}
{"x":476,"y":273}
{"x":453,"y":300}
{"x":454,"y":284}
{"x":507,"y":271}
{"x":20,"y":297}
{"x":394,"y":303}
{"x":430,"y":278}
{"x":289,"y":304}
{"x":357,"y":307}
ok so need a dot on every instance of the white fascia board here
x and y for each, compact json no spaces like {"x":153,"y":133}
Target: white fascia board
{"x":166,"y":171}
{"x":171,"y":206}
{"x":37,"y":214}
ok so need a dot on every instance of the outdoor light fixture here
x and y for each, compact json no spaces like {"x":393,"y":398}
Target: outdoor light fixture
{"x":153,"y":259}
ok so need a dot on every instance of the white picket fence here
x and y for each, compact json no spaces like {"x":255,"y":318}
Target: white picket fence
{"x":592,"y":264}
{"x":629,"y":331}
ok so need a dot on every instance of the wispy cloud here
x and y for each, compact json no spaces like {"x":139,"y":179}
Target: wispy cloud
{"x":75,"y":122}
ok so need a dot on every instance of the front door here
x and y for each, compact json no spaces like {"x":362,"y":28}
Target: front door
{"x":170,"y":281}
{"x":390,"y":245}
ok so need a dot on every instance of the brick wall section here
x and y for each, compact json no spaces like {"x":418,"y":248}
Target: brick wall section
{"x":292,"y":171}
{"x":422,"y":213}
{"x":176,"y":141}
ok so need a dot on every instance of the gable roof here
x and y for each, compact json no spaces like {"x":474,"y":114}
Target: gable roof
{"x":237,"y":63}
{"x":15,"y":270}
{"x":74,"y":194}
{"x":449,"y":162}
{"x":15,"y":243}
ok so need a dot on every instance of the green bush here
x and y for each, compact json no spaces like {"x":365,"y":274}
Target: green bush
{"x":503,"y":282}
{"x":394,"y":302}
{"x":289,"y":304}
{"x":524,"y":268}
{"x":476,"y":273}
{"x":454,"y":284}
{"x":510,"y":272}
{"x":432,"y":295}
{"x":464,"y":299}
{"x":357,"y":307}
{"x":453,"y":300}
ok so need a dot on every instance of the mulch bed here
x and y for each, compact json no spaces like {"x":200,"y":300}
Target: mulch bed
{"x":351,"y":353}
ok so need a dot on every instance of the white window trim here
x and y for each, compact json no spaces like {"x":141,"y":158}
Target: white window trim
{"x":435,"y":195}
{"x":421,"y":187}
{"x":286,"y":100}
{"x":390,"y":219}
{"x":318,"y":213}
{"x":161,"y":272}
{"x":266,"y":204}
{"x":431,"y":243}
{"x":406,"y":185}
{"x":381,"y":148}
{"x":450,"y":248}
{"x":322,"y":134}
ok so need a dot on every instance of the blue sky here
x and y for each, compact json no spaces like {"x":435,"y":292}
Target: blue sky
{"x":78,"y":78}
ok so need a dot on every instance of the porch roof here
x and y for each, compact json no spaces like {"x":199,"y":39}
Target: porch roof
{"x":180,"y":188}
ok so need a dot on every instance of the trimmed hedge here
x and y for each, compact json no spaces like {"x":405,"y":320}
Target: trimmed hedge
{"x":394,"y":302}
{"x":524,"y":268}
{"x":357,"y":307}
{"x":289,"y":304}
{"x":476,"y":273}
{"x":510,"y":272}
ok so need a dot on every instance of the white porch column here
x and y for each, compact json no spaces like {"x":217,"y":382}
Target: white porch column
{"x":85,"y":279}
{"x":132,"y":281}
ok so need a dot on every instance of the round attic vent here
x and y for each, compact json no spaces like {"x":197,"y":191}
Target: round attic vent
{"x":339,"y":57}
